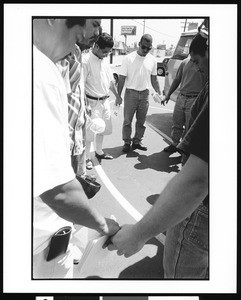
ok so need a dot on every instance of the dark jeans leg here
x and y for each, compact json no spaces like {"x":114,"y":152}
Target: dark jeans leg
{"x":130,"y":106}
{"x":142,"y":108}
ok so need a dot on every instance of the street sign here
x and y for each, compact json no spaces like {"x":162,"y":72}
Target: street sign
{"x":128,"y":30}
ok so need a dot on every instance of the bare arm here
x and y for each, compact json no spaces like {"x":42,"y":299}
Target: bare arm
{"x":178,"y":200}
{"x":113,"y":89}
{"x":155,"y":84}
{"x":173,"y":86}
{"x":121,"y":83}
{"x":182,"y":195}
{"x":70,"y":202}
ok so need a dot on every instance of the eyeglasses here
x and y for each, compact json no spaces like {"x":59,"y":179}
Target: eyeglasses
{"x":145,"y":47}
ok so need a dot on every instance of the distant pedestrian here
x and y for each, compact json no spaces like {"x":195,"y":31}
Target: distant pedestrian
{"x":138,"y":73}
{"x":191,"y":79}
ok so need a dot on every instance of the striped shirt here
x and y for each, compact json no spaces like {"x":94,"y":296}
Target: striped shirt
{"x":76,"y":104}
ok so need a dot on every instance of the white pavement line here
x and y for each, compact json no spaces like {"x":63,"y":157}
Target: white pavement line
{"x":159,"y":131}
{"x":119,"y":197}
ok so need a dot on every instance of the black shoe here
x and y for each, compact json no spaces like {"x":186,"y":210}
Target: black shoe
{"x":103,"y":156}
{"x":126,"y":148}
{"x":138,"y":146}
{"x":170,"y":149}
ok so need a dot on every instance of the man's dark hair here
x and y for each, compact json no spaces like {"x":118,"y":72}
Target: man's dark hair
{"x":71,"y":22}
{"x":198,"y":45}
{"x":105,"y":41}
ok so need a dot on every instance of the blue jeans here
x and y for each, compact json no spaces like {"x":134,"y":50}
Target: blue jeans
{"x":135,"y":102}
{"x":180,"y":117}
{"x":186,"y":247}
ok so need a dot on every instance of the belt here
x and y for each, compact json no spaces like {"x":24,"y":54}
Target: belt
{"x":95,"y":98}
{"x":137,"y":90}
{"x":189,"y":96}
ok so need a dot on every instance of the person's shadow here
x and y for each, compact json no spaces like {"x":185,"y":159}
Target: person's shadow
{"x":148,"y":267}
{"x":160,"y":162}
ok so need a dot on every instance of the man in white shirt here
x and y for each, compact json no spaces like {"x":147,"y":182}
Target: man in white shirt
{"x":99,"y":81}
{"x":138,"y":73}
{"x":59,"y":199}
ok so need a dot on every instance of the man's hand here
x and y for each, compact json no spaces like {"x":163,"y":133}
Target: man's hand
{"x":110,"y":228}
{"x":118,"y":100}
{"x":165,"y":99}
{"x":88,"y":110}
{"x":126,"y":241}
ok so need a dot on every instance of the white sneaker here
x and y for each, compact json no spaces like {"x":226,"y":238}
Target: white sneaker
{"x":89,"y":164}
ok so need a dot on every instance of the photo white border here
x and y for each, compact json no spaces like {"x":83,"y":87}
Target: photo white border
{"x":17,"y":149}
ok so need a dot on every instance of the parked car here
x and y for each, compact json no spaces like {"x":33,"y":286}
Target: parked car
{"x":162,"y":65}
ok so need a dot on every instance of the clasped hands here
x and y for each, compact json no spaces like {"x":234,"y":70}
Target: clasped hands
{"x":125,"y":241}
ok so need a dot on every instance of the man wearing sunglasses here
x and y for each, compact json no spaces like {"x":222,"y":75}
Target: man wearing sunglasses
{"x":139,"y":73}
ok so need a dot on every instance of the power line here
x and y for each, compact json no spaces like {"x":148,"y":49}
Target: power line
{"x":154,"y":29}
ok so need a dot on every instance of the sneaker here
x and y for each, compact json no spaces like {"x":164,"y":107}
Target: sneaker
{"x":139,"y":146}
{"x":89,"y":164}
{"x":126,"y":148}
{"x":170,"y":149}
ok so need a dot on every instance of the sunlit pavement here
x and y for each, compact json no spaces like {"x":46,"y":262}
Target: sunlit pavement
{"x":131,"y":182}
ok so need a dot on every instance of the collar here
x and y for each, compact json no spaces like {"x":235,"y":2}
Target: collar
{"x":96,"y":57}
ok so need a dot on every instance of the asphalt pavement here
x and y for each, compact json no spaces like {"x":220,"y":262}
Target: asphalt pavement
{"x":131,"y":183}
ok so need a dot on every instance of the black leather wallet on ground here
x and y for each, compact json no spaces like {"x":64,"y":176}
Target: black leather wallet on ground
{"x":59,"y":242}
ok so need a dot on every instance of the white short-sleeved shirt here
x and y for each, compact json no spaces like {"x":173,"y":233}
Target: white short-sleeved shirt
{"x":138,"y":70}
{"x":51,"y":147}
{"x":97,"y":75}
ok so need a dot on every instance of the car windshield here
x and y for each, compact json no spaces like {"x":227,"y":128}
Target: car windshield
{"x":182,"y":49}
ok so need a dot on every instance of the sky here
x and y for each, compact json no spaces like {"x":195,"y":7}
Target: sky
{"x":163,"y":31}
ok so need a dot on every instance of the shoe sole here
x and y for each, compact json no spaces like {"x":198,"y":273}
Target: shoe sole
{"x":139,"y":149}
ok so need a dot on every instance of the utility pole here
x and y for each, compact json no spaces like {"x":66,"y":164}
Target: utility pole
{"x":144,"y":26}
{"x":185,"y":25}
{"x":111,"y":33}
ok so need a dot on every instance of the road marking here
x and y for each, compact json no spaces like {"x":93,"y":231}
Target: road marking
{"x":159,"y":132}
{"x":119,"y":197}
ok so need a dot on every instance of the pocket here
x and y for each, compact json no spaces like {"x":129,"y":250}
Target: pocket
{"x":199,"y":231}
